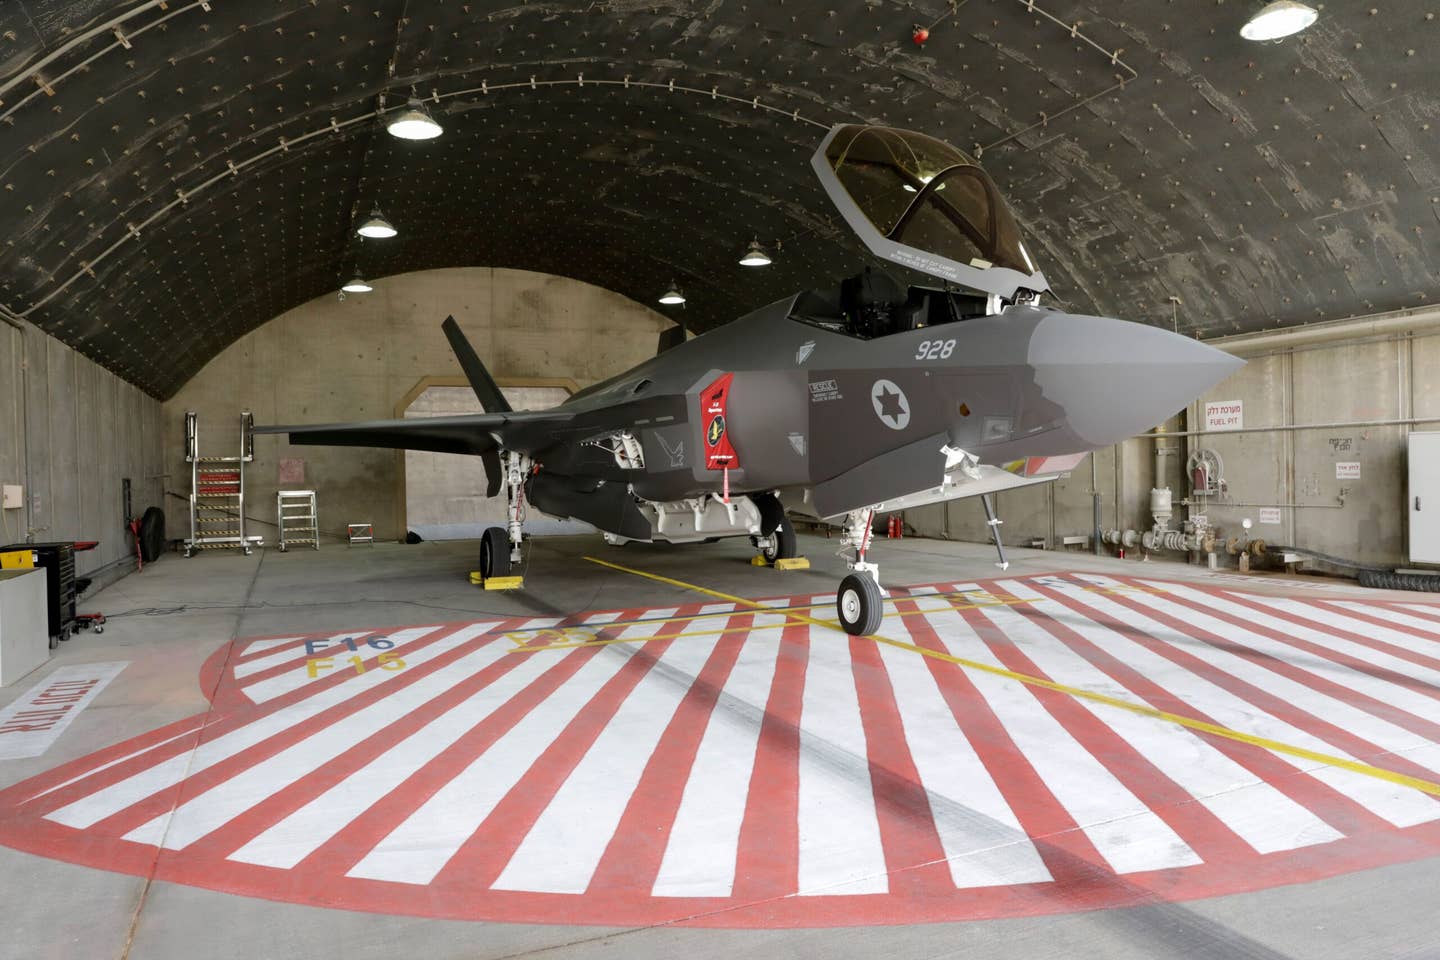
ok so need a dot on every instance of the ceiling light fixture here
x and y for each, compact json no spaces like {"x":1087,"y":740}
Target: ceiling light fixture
{"x":672,"y":296}
{"x":1278,"y":20}
{"x":377,"y":227}
{"x":755,"y":256}
{"x":358,"y":285}
{"x":414,"y":123}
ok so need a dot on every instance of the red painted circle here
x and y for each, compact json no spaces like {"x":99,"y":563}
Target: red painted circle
{"x":767,"y":861}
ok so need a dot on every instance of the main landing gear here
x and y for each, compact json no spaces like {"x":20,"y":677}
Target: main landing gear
{"x":500,"y":546}
{"x":859,"y":601}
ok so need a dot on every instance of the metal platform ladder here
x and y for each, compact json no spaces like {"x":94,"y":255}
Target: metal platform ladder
{"x":298,"y":520}
{"x":217,"y":491}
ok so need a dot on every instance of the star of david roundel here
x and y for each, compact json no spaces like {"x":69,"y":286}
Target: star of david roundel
{"x":891,"y":405}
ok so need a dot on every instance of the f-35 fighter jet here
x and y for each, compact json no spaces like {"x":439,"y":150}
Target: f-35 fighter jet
{"x":838,"y":402}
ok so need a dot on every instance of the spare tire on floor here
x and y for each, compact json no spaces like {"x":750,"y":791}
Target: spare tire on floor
{"x":152,"y":534}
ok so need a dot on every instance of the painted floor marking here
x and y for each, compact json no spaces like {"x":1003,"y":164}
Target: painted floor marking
{"x":1296,"y":625}
{"x":1430,"y":629}
{"x":305,"y":830}
{"x":418,"y":848}
{"x":1300,"y":752}
{"x":840,"y":849}
{"x":1127,"y":833}
{"x":1239,"y":715}
{"x":562,"y":849}
{"x":1376,"y":730}
{"x":1255,"y":811}
{"x":983,"y":840}
{"x":704,"y":839}
{"x":744,"y":763}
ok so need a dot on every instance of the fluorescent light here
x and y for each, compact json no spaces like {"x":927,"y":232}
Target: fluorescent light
{"x":414,"y":123}
{"x":1279,"y":19}
{"x":377,"y":227}
{"x":672,"y":295}
{"x":755,"y":256}
{"x":358,"y":285}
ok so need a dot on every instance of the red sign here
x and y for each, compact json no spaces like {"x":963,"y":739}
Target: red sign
{"x":719,"y":453}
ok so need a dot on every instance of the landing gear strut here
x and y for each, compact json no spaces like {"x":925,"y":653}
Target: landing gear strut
{"x":859,"y":601}
{"x":994,"y":523}
{"x":500,"y":546}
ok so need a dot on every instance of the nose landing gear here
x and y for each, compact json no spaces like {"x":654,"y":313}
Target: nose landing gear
{"x":859,"y":601}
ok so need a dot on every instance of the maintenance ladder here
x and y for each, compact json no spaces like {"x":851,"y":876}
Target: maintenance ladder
{"x":298,"y":520}
{"x":217,"y":491}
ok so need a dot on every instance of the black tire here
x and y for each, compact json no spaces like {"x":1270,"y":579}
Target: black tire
{"x":772,"y":514}
{"x":495,"y":553}
{"x":54,"y":641}
{"x":783,"y":544}
{"x":859,"y":604}
{"x":152,"y":534}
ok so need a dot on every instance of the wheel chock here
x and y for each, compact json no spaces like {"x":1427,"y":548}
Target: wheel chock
{"x":476,"y":578}
{"x":793,"y":563}
{"x":759,"y":561}
{"x":504,"y":583}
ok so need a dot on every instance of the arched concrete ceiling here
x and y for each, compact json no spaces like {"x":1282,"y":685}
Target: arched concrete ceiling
{"x":170,"y":177}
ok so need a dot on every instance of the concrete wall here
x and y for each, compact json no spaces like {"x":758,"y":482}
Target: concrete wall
{"x":69,"y":432}
{"x":1289,"y":471}
{"x":357,"y":359}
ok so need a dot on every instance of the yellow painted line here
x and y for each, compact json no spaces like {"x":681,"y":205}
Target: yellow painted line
{"x":1355,"y":766}
{"x":529,"y":644}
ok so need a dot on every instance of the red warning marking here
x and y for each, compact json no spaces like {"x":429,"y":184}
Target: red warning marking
{"x":446,"y":786}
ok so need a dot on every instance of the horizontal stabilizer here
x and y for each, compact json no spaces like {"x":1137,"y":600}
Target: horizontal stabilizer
{"x":476,"y":433}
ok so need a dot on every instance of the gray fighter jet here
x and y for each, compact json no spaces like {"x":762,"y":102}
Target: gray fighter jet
{"x":833,"y":403}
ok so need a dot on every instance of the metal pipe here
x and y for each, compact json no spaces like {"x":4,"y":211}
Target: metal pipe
{"x":1396,"y":422}
{"x":1309,"y":334}
{"x":1211,"y":505}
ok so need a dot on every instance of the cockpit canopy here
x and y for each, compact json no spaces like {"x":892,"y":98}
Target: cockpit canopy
{"x":920,"y":202}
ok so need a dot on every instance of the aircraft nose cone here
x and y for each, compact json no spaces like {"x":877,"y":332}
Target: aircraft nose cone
{"x":1116,"y":379}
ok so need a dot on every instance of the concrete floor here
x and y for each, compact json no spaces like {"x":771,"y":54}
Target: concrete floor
{"x":168,"y":621}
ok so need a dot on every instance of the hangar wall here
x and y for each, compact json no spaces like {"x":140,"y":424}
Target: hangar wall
{"x":331,"y":360}
{"x":1285,"y":471}
{"x":69,"y":432}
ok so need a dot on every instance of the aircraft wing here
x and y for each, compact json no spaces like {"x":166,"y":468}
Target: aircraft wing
{"x":479,"y":433}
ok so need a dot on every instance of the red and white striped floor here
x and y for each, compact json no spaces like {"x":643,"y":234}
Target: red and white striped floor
{"x":719,"y":765}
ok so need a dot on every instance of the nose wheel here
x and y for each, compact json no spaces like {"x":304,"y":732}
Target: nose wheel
{"x":859,"y":604}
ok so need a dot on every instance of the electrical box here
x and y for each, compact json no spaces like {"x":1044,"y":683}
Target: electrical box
{"x":12,"y":496}
{"x":1423,"y":502}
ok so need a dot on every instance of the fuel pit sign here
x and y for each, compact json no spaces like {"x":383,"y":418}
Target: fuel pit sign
{"x":1224,"y":415}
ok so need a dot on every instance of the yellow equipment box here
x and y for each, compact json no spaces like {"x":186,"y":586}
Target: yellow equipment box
{"x":17,"y":560}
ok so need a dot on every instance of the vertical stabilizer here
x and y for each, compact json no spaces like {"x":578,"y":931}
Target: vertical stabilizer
{"x":491,"y":399}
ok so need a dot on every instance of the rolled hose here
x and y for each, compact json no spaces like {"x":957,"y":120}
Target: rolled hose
{"x":1376,"y":578}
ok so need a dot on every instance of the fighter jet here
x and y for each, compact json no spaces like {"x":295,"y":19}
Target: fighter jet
{"x":834,"y":403}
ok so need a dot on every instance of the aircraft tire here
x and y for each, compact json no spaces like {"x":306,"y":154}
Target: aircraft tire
{"x":859,"y":605}
{"x":495,"y":553}
{"x":152,"y":534}
{"x":783,"y":544}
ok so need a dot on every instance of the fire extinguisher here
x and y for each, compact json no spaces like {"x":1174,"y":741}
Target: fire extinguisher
{"x":896,"y":529}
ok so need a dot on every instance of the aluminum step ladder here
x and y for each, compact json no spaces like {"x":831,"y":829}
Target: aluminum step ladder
{"x":217,"y":491}
{"x":297,"y":519}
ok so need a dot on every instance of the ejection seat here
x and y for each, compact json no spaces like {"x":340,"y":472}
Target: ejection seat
{"x":874,"y":305}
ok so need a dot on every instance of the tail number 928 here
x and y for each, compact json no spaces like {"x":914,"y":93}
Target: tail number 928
{"x":935,"y":350}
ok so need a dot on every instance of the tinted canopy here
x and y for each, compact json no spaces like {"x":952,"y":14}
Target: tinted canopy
{"x":921,"y":202}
